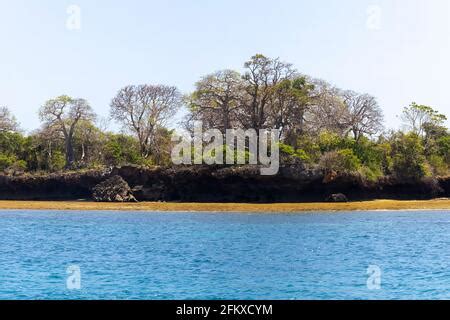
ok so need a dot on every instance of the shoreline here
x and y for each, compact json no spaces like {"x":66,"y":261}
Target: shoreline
{"x":376,"y":205}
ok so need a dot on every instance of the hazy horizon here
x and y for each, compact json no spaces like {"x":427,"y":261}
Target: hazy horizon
{"x":397,"y":53}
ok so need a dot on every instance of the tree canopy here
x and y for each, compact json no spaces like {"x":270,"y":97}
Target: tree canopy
{"x":324,"y":127}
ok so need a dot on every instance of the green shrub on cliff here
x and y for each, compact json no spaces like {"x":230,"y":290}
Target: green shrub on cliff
{"x":121,"y":149}
{"x":57,"y":161}
{"x":444,"y":148}
{"x":309,"y":146}
{"x":438,"y":165}
{"x":374,"y":156}
{"x":343,"y":161}
{"x":329,"y":141}
{"x":11,"y":142}
{"x":6,"y":161}
{"x":297,"y":153}
{"x":10,"y":162}
{"x":409,"y":160}
{"x":18,"y":166}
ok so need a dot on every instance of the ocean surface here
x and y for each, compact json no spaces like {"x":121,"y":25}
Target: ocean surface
{"x":114,"y":255}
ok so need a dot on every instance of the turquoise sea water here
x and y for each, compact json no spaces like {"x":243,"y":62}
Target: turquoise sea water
{"x":224,"y":256}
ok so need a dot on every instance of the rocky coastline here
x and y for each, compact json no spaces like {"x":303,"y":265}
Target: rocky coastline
{"x":294,"y":183}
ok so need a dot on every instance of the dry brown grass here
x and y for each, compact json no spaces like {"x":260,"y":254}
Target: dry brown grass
{"x":438,"y":204}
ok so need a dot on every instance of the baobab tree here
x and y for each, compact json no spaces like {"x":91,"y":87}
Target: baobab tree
{"x":145,"y":109}
{"x":7,"y":121}
{"x":364,"y":114}
{"x":215,"y":101}
{"x":64,"y":114}
{"x":260,"y":80}
{"x":327,"y":111}
{"x":290,"y":102}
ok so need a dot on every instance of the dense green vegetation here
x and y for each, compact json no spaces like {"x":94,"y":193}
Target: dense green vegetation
{"x":320,"y":125}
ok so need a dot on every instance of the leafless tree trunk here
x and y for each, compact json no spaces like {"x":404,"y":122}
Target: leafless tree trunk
{"x":216,"y":99}
{"x":65,"y":113}
{"x":143,"y":109}
{"x":262,"y":76}
{"x":7,"y":121}
{"x":364,"y":114}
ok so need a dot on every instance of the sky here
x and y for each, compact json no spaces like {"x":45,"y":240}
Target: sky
{"x":395,"y":50}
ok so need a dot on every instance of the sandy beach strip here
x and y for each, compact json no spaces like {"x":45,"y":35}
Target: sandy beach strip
{"x":437,"y":204}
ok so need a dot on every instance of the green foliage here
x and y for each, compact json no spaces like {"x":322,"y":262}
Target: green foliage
{"x":370,"y":174}
{"x":343,"y":161}
{"x":438,"y":165}
{"x":371,"y":159}
{"x":235,"y":154}
{"x":384,"y":151}
{"x":120,"y":150}
{"x":270,"y":94}
{"x":299,"y":153}
{"x":161,"y":154}
{"x":287,"y":149}
{"x":19,"y":165}
{"x":11,"y":143}
{"x":299,"y":88}
{"x":310,"y":147}
{"x":444,"y":148}
{"x":350,"y":162}
{"x":375,"y":157}
{"x":57,"y":161}
{"x":420,"y":118}
{"x":10,"y":162}
{"x":409,"y":161}
{"x":13,"y":150}
{"x":6,"y":161}
{"x":329,"y":141}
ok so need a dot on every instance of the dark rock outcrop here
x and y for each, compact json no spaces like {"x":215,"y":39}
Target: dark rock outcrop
{"x":115,"y":189}
{"x":54,"y":186}
{"x":294,"y":183}
{"x":337,"y":197}
{"x":444,"y":183}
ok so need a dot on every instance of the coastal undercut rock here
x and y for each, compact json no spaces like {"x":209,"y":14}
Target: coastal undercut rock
{"x":231,"y":184}
{"x":115,"y":189}
{"x":337,"y":197}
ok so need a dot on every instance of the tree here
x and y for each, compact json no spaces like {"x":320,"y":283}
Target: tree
{"x":290,"y":102}
{"x":7,"y":121}
{"x":46,"y":150}
{"x":12,"y":150}
{"x":88,"y":141}
{"x":328,"y":111}
{"x":417,"y":117}
{"x":409,"y":161}
{"x":342,"y":161}
{"x":343,"y":112}
{"x":215,"y":101}
{"x":364,"y":114}
{"x":444,"y":148}
{"x":262,"y":75}
{"x":120,"y":149}
{"x":144,"y":110}
{"x":11,"y":143}
{"x":162,"y":151}
{"x":64,"y":113}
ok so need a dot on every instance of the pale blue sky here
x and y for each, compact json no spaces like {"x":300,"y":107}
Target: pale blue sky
{"x":176,"y":42}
